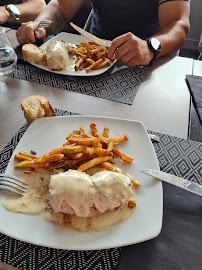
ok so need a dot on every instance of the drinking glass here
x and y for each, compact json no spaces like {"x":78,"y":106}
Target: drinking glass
{"x":8,"y":57}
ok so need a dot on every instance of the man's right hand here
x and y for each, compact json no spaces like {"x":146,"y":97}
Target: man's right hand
{"x":26,"y":33}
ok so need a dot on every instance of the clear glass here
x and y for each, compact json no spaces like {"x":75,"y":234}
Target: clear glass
{"x":8,"y":57}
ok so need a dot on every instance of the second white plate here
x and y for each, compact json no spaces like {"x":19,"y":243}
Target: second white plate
{"x":72,"y":39}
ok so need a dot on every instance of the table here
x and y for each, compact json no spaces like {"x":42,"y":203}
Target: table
{"x":162,"y":95}
{"x":162,"y":103}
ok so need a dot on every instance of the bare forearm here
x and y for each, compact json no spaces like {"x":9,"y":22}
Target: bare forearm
{"x":30,"y":9}
{"x":200,"y":44}
{"x":173,"y":37}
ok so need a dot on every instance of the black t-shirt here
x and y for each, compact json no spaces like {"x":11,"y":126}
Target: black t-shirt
{"x":112,"y":18}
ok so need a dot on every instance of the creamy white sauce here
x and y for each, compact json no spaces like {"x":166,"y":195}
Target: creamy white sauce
{"x":93,"y":199}
{"x":57,"y":55}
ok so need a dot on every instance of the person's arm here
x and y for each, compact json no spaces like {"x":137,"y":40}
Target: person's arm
{"x":174,"y":26}
{"x":200,"y":44}
{"x":58,"y":11}
{"x":29,"y":10}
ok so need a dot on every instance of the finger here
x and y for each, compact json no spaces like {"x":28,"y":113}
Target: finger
{"x":126,"y":57}
{"x":41,"y":33}
{"x":115,"y":45}
{"x":28,"y":33}
{"x":123,"y":50}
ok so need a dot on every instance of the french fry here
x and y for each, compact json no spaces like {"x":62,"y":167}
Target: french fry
{"x":93,"y":162}
{"x":20,"y":157}
{"x":74,"y":149}
{"x":27,"y":155}
{"x":83,"y":141}
{"x":28,"y":164}
{"x":122,"y":156}
{"x":93,"y":65}
{"x":49,"y":158}
{"x":107,"y":166}
{"x":59,"y":150}
{"x":96,"y":151}
{"x":106,"y":132}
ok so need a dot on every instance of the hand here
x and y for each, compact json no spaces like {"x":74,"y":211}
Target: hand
{"x":130,"y":50}
{"x":26,"y":33}
{"x":5,"y":16}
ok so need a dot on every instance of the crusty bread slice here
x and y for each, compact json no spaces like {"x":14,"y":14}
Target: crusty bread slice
{"x":36,"y":107}
{"x":34,"y":54}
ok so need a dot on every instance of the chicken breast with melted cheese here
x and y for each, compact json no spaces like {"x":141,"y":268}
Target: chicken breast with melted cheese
{"x":78,"y":194}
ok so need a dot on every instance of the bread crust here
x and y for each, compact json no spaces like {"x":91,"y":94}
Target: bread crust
{"x":34,"y":54}
{"x":36,"y":107}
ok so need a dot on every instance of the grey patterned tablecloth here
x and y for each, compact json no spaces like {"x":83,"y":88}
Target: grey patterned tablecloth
{"x":118,"y":84}
{"x":178,"y":156}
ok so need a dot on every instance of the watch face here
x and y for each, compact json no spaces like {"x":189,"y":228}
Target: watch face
{"x":155,"y":43}
{"x":14,"y":9}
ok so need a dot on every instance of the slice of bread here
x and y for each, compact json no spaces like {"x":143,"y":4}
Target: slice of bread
{"x":36,"y":107}
{"x":34,"y":54}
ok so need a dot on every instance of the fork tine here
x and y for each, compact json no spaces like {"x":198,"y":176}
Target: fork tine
{"x":12,"y":177}
{"x":11,"y":190}
{"x":11,"y":182}
{"x":10,"y":185}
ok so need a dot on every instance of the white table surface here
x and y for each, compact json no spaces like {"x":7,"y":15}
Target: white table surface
{"x":197,"y":68}
{"x":162,"y":101}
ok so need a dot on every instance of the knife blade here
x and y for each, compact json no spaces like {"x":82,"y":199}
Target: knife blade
{"x":175,"y":180}
{"x":84,"y":33}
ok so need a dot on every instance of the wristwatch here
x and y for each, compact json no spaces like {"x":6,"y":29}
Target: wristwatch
{"x":154,"y":46}
{"x":13,"y":10}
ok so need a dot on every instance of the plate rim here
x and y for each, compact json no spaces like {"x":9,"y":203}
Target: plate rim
{"x":72,"y":73}
{"x":158,"y":230}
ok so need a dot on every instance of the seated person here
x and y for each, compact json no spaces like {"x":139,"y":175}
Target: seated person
{"x":200,"y":48}
{"x":26,"y":10}
{"x":130,"y":24}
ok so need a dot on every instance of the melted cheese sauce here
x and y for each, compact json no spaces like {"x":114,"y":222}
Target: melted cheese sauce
{"x":57,"y":55}
{"x":107,"y":196}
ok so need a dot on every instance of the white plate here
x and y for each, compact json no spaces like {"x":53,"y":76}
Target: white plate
{"x":45,"y":134}
{"x":72,"y":39}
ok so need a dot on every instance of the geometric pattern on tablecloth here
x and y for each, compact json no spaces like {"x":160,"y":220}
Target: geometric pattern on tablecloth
{"x":178,"y":156}
{"x":28,"y":256}
{"x":117,"y":84}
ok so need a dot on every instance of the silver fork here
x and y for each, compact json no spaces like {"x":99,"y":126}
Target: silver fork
{"x":12,"y":184}
{"x":43,"y":24}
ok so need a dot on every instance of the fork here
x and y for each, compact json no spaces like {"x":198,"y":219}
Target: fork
{"x":43,"y":24}
{"x":12,"y":184}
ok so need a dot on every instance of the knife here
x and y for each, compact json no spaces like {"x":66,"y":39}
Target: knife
{"x":84,"y":33}
{"x":175,"y":180}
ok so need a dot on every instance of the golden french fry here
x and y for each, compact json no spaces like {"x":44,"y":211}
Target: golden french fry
{"x":122,"y":156}
{"x":103,"y":64}
{"x":96,"y":151}
{"x":28,"y":164}
{"x":49,"y":159}
{"x":93,"y":162}
{"x":94,"y":130}
{"x":88,"y":69}
{"x":27,"y":155}
{"x":107,"y":166}
{"x":19,"y":157}
{"x":110,"y":145}
{"x":74,"y":149}
{"x":135,"y":183}
{"x":75,"y":156}
{"x":106,"y":132}
{"x":59,"y":150}
{"x":81,"y":129}
{"x":82,"y":141}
